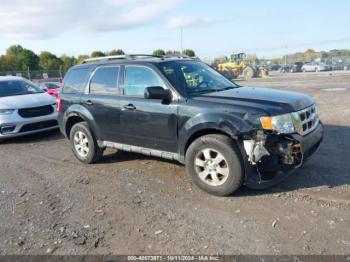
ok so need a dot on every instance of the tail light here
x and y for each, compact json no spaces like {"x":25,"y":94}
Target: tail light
{"x":59,"y":103}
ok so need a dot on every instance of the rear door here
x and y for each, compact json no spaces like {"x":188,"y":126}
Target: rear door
{"x":102,"y":100}
{"x":74,"y":86}
{"x":147,"y":122}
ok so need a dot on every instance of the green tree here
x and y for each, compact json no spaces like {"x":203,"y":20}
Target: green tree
{"x":116,"y":52}
{"x":49,"y":61}
{"x":189,"y":52}
{"x":171,"y":52}
{"x":18,"y":58}
{"x":81,"y":58}
{"x":30,"y":61}
{"x":13,"y":57}
{"x":2,"y":64}
{"x":97,"y":54}
{"x":310,"y":54}
{"x":158,"y":52}
{"x":67,"y":62}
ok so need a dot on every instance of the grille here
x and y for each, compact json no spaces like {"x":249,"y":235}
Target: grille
{"x":306,"y":120}
{"x":35,"y":111}
{"x":37,"y":126}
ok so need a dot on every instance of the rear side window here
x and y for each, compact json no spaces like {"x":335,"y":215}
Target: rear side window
{"x":75,"y":81}
{"x":105,"y":81}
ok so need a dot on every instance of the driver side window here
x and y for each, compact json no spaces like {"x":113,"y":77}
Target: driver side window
{"x":137,"y":78}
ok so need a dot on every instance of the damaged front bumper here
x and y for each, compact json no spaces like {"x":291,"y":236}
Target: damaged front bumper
{"x":270,"y":158}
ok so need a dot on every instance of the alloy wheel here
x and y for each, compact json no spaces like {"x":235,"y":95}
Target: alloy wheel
{"x":211,"y":167}
{"x":81,"y":144}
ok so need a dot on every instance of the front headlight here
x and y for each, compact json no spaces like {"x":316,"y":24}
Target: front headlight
{"x":6,"y":111}
{"x":282,"y":124}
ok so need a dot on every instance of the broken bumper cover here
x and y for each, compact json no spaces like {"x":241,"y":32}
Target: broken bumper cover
{"x":309,"y":145}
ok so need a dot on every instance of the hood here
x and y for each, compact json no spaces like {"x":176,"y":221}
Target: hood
{"x":26,"y":101}
{"x":272,"y":101}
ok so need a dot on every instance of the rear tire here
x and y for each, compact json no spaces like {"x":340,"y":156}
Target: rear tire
{"x":84,"y":144}
{"x":215,"y":165}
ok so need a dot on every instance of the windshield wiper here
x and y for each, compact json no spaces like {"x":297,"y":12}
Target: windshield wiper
{"x":205,"y":91}
{"x":214,"y":90}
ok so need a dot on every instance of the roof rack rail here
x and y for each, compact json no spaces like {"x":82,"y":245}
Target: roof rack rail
{"x":180,"y":56}
{"x":176,"y":55}
{"x":116,"y":57}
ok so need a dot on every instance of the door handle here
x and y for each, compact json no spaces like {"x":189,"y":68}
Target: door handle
{"x":129,"y":107}
{"x":88,"y":102}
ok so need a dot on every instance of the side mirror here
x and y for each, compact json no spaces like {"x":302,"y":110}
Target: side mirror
{"x":158,"y":92}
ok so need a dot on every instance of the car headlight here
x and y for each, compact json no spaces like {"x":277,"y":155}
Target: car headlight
{"x":282,"y":124}
{"x":6,"y":111}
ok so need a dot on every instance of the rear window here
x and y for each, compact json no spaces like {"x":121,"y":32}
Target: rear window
{"x":75,"y":80}
{"x":105,"y":81}
{"x":52,"y":86}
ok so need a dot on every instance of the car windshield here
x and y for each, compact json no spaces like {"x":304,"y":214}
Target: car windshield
{"x":17,"y":87}
{"x":192,"y":78}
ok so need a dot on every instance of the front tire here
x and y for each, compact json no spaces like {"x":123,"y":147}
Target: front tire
{"x":249,"y":72}
{"x":84,"y":144}
{"x":215,"y":164}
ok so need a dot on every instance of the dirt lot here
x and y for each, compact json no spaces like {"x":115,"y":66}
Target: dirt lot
{"x":131,"y":204}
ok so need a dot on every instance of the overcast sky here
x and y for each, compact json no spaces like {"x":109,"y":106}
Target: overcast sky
{"x":268,"y":28}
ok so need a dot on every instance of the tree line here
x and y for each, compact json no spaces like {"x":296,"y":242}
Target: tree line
{"x":311,"y":55}
{"x":18,"y":58}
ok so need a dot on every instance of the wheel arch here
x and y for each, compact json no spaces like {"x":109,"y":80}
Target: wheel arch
{"x":76,"y":114}
{"x":230,"y":125}
{"x":203,"y":132}
{"x":71,"y":121}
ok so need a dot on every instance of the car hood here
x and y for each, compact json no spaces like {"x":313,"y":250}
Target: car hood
{"x":272,"y":101}
{"x":26,"y":101}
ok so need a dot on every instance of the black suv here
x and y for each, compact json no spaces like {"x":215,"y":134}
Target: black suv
{"x":181,"y":109}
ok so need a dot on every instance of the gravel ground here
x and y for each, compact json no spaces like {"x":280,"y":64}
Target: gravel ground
{"x":130,"y":204}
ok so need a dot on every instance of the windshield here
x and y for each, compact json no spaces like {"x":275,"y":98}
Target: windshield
{"x":17,"y":87}
{"x":191,"y":78}
{"x":49,"y":85}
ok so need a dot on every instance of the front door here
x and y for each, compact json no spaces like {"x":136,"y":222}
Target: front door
{"x":147,"y":123}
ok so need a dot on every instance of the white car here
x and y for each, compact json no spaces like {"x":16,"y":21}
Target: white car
{"x":315,"y":67}
{"x":24,"y":108}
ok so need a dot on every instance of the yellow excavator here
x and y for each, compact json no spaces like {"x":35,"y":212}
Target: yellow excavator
{"x":237,"y":66}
